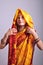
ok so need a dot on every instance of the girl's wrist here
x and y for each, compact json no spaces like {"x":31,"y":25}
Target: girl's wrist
{"x":4,"y":39}
{"x":36,"y":38}
{"x":35,"y":35}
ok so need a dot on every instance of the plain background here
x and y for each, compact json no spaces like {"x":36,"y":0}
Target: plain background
{"x":7,"y":12}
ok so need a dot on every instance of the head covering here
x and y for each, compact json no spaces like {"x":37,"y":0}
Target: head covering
{"x":26,"y":16}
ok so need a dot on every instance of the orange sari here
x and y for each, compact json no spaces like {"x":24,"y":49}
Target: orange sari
{"x":21,"y":46}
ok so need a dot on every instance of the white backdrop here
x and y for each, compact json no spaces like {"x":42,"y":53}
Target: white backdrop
{"x":7,"y":11}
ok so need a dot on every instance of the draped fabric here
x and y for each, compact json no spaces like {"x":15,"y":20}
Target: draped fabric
{"x":21,"y":46}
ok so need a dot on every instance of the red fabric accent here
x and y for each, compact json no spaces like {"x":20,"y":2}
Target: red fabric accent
{"x":12,"y":50}
{"x":20,"y":39}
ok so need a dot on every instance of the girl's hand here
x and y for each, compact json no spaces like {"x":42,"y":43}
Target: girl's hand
{"x":12,"y":31}
{"x":30,"y":30}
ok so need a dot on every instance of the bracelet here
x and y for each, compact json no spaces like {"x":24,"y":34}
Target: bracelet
{"x":36,"y":40}
{"x":2,"y":42}
{"x":4,"y":39}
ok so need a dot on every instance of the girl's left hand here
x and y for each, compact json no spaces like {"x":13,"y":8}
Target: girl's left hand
{"x":30,"y":30}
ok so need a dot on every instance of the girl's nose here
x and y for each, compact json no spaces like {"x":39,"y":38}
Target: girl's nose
{"x":20,"y":18}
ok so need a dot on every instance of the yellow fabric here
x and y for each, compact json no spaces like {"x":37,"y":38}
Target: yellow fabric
{"x":27,"y":17}
{"x":24,"y":52}
{"x":13,"y":64}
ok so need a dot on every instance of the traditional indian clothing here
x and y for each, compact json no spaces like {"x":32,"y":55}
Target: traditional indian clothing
{"x":21,"y":45}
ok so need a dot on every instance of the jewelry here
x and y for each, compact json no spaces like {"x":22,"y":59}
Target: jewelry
{"x":36,"y":40}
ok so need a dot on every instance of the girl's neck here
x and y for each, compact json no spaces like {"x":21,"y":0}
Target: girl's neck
{"x":20,"y":28}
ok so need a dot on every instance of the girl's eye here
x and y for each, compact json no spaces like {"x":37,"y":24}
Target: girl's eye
{"x":18,"y":17}
{"x":22,"y":17}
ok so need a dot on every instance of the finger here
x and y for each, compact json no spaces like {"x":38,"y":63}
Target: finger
{"x":14,"y":30}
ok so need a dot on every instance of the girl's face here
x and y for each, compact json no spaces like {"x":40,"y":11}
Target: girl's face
{"x":20,"y":20}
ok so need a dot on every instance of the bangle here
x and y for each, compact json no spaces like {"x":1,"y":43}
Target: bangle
{"x":2,"y":41}
{"x":36,"y":40}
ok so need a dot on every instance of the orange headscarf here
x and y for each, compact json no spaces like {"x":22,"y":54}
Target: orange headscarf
{"x":26,"y":16}
{"x":21,"y":53}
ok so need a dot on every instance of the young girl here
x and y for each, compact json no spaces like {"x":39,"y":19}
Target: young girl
{"x":22,"y":39}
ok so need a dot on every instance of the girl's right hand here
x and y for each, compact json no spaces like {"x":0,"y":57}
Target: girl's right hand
{"x":12,"y":31}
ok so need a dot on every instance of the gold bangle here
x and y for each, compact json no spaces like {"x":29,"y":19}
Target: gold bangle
{"x":36,"y":40}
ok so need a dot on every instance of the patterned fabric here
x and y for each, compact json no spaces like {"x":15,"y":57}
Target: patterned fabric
{"x":21,"y":45}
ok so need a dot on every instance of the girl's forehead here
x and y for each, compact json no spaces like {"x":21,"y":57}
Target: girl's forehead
{"x":19,"y":14}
